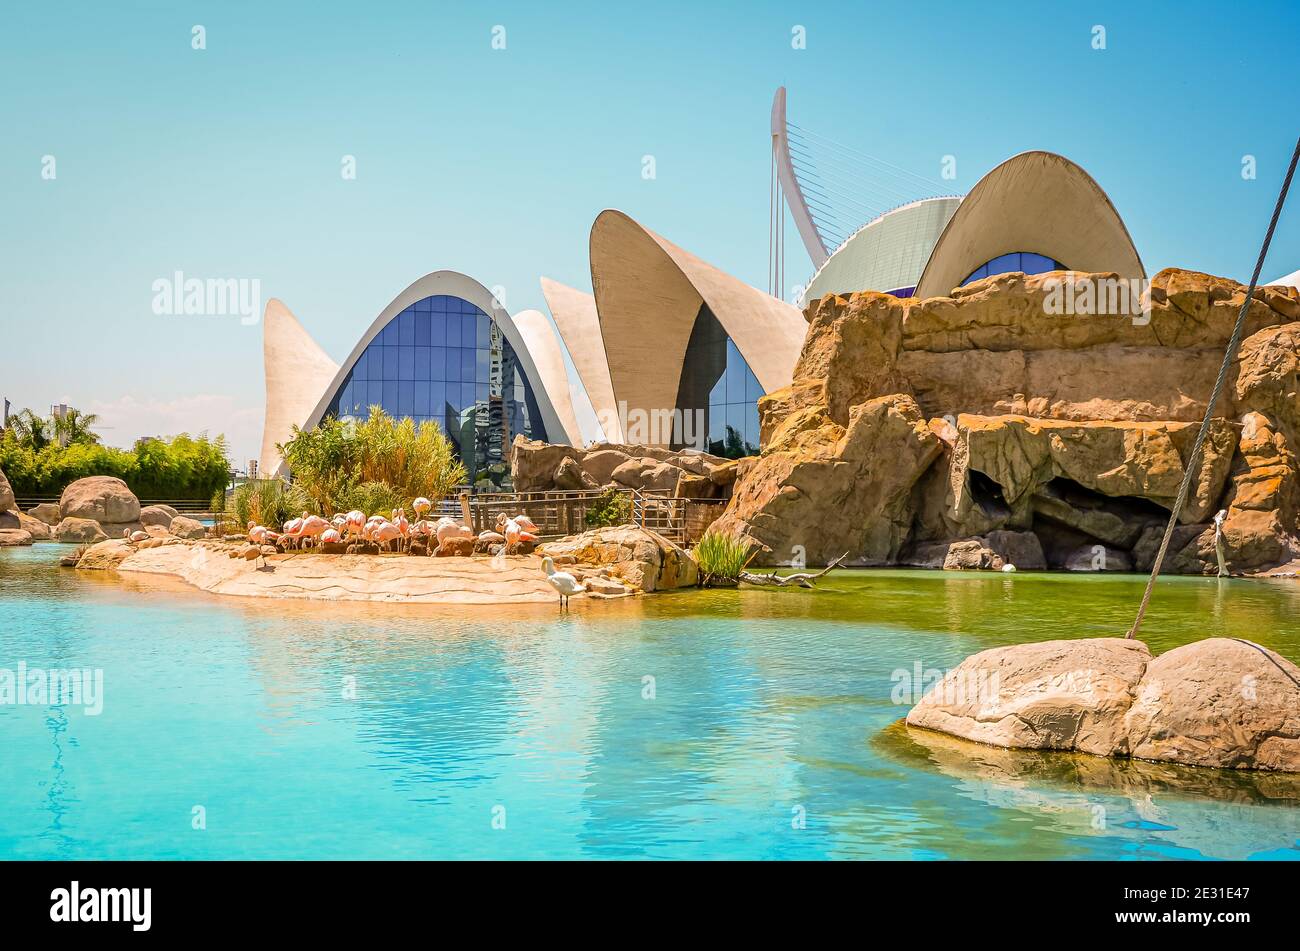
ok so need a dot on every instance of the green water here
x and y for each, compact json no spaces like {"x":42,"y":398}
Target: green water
{"x":720,"y":724}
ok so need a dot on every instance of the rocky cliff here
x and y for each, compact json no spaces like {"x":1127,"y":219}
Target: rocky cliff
{"x":915,"y":427}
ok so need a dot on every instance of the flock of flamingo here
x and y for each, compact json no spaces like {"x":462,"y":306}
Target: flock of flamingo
{"x":394,"y":533}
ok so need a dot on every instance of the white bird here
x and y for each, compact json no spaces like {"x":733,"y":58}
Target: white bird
{"x":561,"y":581}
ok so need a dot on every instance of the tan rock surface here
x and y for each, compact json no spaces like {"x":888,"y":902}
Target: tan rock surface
{"x":834,"y":489}
{"x":1219,"y":702}
{"x":1049,"y":695}
{"x":47,"y":512}
{"x":396,"y":578}
{"x":103,"y":498}
{"x":73,"y":530}
{"x":13,"y":537}
{"x":642,"y":558}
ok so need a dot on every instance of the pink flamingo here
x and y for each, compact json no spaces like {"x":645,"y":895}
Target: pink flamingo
{"x":421,"y":506}
{"x":386,"y":532}
{"x":313,"y":526}
{"x":403,"y":526}
{"x":293,"y":529}
{"x":356,"y":522}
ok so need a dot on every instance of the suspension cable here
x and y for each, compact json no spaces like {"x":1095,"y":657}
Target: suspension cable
{"x":1234,"y":342}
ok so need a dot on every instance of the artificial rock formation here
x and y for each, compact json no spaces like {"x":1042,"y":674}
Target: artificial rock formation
{"x":914,"y":424}
{"x":1222,"y":702}
{"x":537,"y":466}
{"x":643,"y":559}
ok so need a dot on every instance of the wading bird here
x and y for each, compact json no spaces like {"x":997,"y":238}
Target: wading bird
{"x":561,"y":581}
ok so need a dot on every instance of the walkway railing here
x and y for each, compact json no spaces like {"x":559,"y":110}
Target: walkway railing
{"x":188,"y":506}
{"x":559,"y":513}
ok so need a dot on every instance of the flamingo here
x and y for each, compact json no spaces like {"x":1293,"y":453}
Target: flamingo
{"x":421,"y":506}
{"x":447,"y":528}
{"x":135,"y":537}
{"x":313,"y":526}
{"x":526,"y":523}
{"x":293,"y":529}
{"x":355,"y":522}
{"x":403,"y":526}
{"x":386,"y":532}
{"x":330,"y":536}
{"x":563,"y":582}
{"x":491,"y":538}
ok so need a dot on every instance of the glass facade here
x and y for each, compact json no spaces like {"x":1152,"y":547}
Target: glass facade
{"x":445,"y":360}
{"x":1025,"y":261}
{"x":718,"y":394}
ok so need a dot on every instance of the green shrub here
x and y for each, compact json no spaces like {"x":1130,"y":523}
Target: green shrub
{"x":720,"y":558}
{"x":183,"y":467}
{"x":268,"y":502}
{"x":611,"y":507}
{"x":335,"y":460}
{"x":373,"y":498}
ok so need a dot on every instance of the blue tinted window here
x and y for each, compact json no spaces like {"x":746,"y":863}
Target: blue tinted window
{"x":1027,"y":262}
{"x":441,"y":360}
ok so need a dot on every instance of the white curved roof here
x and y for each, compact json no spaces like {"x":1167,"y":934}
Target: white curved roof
{"x":887,"y":253}
{"x":292,"y":360}
{"x":1290,"y":280}
{"x":648,"y":294}
{"x":295,"y":390}
{"x":1035,"y":201}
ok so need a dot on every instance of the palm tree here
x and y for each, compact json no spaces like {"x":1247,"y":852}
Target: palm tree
{"x":73,"y":426}
{"x":31,"y":431}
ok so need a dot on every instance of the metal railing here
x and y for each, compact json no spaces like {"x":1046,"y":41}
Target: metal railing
{"x":187,"y":506}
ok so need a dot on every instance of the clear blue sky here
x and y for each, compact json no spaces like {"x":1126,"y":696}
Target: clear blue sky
{"x":226,"y":162}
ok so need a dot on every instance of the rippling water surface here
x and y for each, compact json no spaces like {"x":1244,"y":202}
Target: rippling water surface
{"x":726,"y":724}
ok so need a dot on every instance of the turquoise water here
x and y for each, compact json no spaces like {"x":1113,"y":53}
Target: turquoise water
{"x":310,"y":730}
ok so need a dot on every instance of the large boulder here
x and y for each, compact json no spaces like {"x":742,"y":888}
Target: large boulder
{"x":834,"y":489}
{"x":102,"y":498}
{"x":47,"y":512}
{"x":1221,"y":702}
{"x":34,"y":527}
{"x":638,"y":556}
{"x":79,"y":531}
{"x":105,"y":555}
{"x":1049,"y":695}
{"x":13,"y":537}
{"x":569,"y":476}
{"x":533,"y":463}
{"x":183,"y":527}
{"x":157,"y":515}
{"x":7,"y":501}
{"x":601,"y":463}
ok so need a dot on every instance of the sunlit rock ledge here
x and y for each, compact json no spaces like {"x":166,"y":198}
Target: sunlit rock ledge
{"x":611,"y":562}
{"x":1222,"y":702}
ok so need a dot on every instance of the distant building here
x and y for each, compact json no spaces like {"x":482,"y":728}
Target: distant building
{"x":252,"y":469}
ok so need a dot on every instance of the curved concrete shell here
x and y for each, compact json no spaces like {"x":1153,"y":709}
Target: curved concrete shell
{"x":1290,"y":280}
{"x":294,"y":366}
{"x":297,"y":397}
{"x":887,"y":253}
{"x":541,"y":343}
{"x":1035,"y":201}
{"x":575,"y":315}
{"x":648,"y":294}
